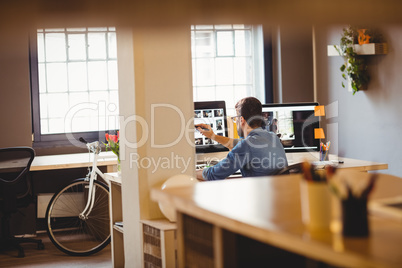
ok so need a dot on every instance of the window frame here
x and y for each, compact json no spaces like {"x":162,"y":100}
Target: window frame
{"x":45,"y":140}
{"x":263,"y":82}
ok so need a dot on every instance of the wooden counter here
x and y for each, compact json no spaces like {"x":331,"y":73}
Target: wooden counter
{"x":293,"y":158}
{"x":225,"y":215}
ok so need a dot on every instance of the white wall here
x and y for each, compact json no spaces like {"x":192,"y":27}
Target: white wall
{"x":366,"y":125}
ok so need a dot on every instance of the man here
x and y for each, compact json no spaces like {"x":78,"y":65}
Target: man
{"x":259,"y":153}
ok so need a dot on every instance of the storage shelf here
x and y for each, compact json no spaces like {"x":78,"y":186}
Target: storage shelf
{"x":116,"y":219}
{"x":159,"y":238}
{"x":366,"y":49}
{"x":118,"y":228}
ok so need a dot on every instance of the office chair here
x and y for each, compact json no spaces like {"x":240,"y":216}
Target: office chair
{"x":290,"y":169}
{"x":15,"y":193}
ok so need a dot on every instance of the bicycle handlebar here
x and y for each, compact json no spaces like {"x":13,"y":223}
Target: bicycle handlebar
{"x":92,"y":146}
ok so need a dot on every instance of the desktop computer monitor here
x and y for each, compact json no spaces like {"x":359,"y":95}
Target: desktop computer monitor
{"x":294,"y":123}
{"x":212,"y":113}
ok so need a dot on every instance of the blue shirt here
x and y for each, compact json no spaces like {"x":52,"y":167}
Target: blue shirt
{"x":260,"y":154}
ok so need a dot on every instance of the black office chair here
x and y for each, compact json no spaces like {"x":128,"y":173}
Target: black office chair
{"x":15,"y":192}
{"x":290,"y":169}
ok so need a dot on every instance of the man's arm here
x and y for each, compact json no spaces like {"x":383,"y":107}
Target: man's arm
{"x":206,"y":130}
{"x":199,"y":176}
{"x":234,"y":161}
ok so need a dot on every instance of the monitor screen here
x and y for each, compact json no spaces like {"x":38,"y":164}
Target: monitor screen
{"x":212,"y":113}
{"x":294,"y":123}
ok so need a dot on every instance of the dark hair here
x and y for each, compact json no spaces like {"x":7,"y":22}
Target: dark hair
{"x":251,"y":110}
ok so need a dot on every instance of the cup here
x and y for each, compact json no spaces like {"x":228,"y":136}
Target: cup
{"x":354,"y":217}
{"x":324,"y":155}
{"x":316,"y":204}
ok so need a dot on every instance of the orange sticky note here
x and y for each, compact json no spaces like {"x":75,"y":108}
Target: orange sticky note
{"x":319,"y":133}
{"x":319,"y":110}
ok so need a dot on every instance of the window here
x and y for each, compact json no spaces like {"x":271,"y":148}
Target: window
{"x":227,"y":63}
{"x":74,"y":83}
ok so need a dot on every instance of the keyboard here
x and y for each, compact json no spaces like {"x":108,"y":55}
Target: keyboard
{"x":202,"y":166}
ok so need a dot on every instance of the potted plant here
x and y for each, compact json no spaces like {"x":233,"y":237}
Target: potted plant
{"x":113,"y":143}
{"x":355,"y":66}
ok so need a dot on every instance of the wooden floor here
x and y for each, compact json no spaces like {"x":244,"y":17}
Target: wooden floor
{"x":51,"y":257}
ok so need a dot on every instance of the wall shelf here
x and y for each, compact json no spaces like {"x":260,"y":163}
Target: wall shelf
{"x":366,"y":49}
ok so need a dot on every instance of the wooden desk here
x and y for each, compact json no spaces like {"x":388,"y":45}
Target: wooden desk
{"x":348,"y":163}
{"x":234,"y":220}
{"x":49,"y":174}
{"x":293,"y":158}
{"x":63,"y":161}
{"x":65,"y":167}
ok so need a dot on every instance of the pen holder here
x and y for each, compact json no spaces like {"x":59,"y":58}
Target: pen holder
{"x":354,"y":217}
{"x":324,"y":155}
{"x":315,"y":204}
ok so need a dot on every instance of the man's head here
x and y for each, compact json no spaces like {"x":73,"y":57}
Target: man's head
{"x":251,"y":110}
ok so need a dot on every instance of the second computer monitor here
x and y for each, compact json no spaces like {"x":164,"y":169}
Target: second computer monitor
{"x":294,"y":123}
{"x":212,"y":113}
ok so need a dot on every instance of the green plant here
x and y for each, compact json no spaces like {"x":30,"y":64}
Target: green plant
{"x":355,"y":66}
{"x":113,"y":144}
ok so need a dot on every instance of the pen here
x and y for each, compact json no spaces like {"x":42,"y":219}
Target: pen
{"x":369,"y":187}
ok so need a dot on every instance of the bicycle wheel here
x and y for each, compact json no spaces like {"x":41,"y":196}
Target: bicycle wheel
{"x":69,"y":233}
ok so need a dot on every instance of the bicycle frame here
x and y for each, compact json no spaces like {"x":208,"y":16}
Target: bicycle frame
{"x":94,"y":148}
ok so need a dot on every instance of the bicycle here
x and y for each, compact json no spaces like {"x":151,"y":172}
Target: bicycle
{"x":77,"y":217}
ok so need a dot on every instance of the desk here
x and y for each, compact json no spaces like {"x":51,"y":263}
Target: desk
{"x":50,"y":172}
{"x":260,"y":212}
{"x":63,"y":161}
{"x":64,"y":167}
{"x":293,"y":158}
